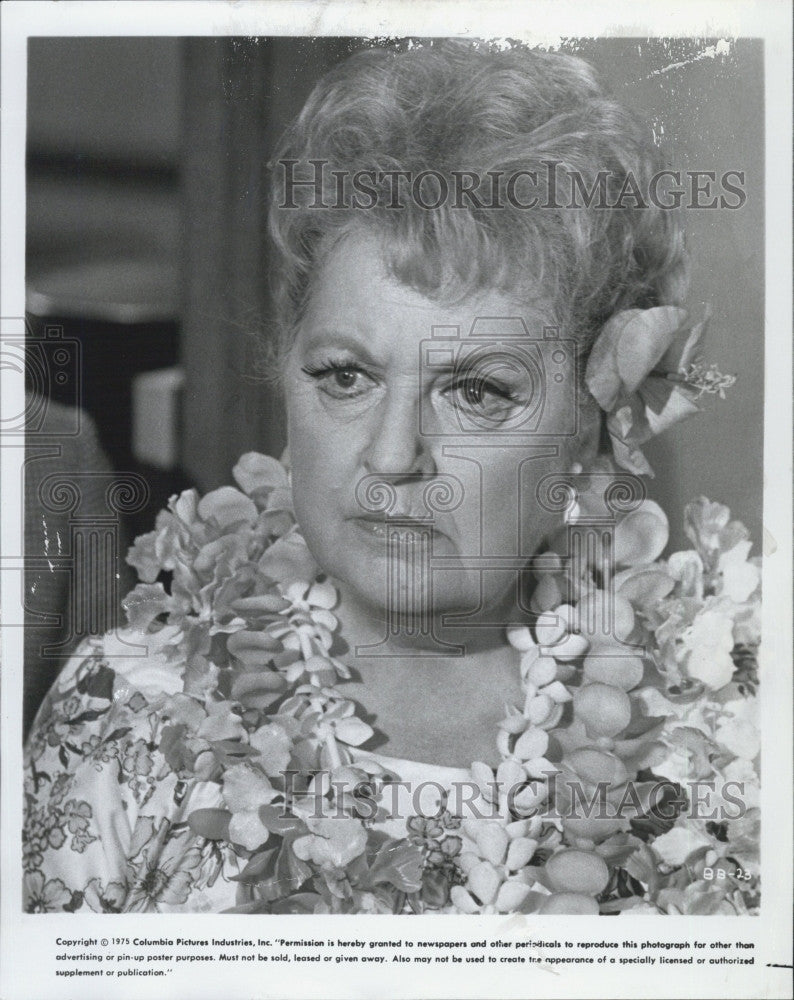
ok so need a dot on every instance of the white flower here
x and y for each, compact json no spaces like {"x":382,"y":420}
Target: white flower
{"x":687,"y":569}
{"x":711,"y":665}
{"x":520,"y":638}
{"x":675,"y":846}
{"x":737,"y":730}
{"x":254,"y":471}
{"x":740,"y":737}
{"x":747,"y":629}
{"x":710,"y":641}
{"x":273,"y":745}
{"x":687,"y":758}
{"x":742,"y":773}
{"x":332,"y":843}
{"x":531,"y":744}
{"x":154,"y":673}
{"x":248,"y":830}
{"x":228,"y":507}
{"x":739,"y":577}
{"x":655,"y":703}
{"x":487,"y":892}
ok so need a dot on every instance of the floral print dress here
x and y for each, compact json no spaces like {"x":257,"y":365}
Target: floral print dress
{"x":107,"y":815}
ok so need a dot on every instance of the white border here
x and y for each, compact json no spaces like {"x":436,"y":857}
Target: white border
{"x":21,"y":972}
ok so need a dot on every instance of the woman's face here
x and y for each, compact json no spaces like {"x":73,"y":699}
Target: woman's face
{"x":382,"y":382}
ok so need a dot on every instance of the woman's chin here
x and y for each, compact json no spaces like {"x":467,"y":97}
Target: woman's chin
{"x":401,"y":573}
{"x":408,"y":601}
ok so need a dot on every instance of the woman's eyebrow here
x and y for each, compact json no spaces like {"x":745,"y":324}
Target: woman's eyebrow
{"x":327,"y":339}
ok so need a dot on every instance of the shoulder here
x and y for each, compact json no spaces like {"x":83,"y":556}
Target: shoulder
{"x":96,"y":740}
{"x":106,"y":803}
{"x":116,"y":683}
{"x":127,"y":659}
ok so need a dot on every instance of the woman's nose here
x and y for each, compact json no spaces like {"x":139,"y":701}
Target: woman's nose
{"x":396,"y":445}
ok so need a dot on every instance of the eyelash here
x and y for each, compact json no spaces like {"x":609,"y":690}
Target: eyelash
{"x":509,"y":395}
{"x":322,"y":370}
{"x":328,"y":367}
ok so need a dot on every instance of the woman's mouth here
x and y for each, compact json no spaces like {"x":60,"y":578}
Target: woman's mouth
{"x":399,"y":531}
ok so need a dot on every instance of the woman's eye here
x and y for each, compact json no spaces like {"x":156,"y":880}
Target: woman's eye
{"x":340,"y":381}
{"x":482,"y":396}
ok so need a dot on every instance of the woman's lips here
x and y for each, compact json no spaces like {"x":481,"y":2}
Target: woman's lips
{"x":405,"y":531}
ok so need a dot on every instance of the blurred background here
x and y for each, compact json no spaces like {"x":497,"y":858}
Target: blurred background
{"x":146,"y":250}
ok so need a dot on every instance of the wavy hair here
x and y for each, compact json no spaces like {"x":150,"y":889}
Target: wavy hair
{"x":455,"y":106}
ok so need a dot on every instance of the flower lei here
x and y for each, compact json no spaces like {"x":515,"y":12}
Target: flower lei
{"x":261,"y":714}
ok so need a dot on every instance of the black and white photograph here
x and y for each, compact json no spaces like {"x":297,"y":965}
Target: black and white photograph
{"x":396,"y":470}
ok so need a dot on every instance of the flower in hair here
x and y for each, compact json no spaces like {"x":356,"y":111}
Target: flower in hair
{"x":644,"y":372}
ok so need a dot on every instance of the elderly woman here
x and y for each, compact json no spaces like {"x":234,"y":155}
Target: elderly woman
{"x":321,"y":712}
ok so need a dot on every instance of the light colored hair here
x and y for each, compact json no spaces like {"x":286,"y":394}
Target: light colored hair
{"x":461,"y":106}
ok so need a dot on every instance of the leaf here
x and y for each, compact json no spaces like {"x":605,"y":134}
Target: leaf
{"x":290,"y":871}
{"x":261,"y":683}
{"x":200,"y":675}
{"x":278,"y":823}
{"x":398,"y":864}
{"x":259,"y":867}
{"x":172,"y":747}
{"x":227,"y":753}
{"x":213,"y":824}
{"x":253,"y":647}
{"x":435,"y":889}
{"x":75,"y":903}
{"x":641,"y":725}
{"x":145,"y":603}
{"x":98,"y":683}
{"x":233,"y":748}
{"x":90,"y":715}
{"x":117,"y":734}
